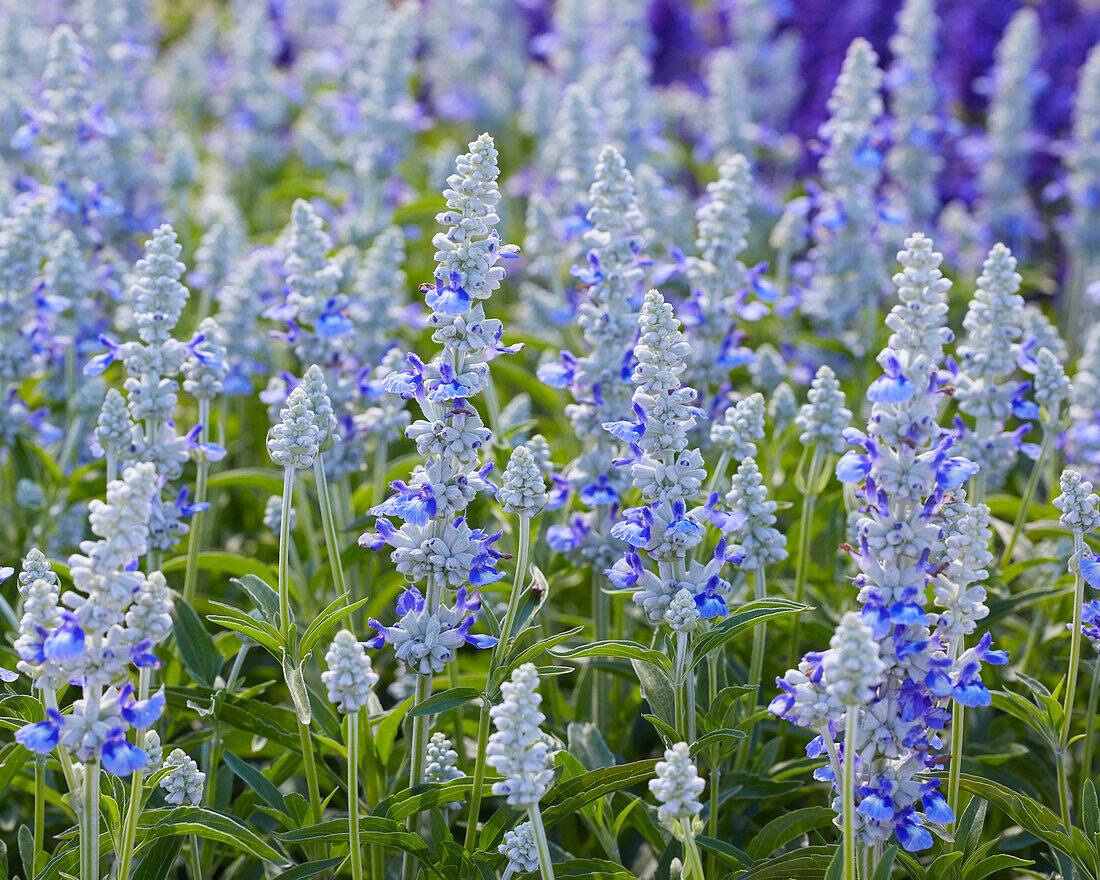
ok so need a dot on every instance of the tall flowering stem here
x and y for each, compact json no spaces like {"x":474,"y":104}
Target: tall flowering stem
{"x":1078,"y":505}
{"x":906,"y":470}
{"x":435,"y":545}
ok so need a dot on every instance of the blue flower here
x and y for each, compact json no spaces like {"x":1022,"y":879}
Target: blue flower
{"x":629,"y":431}
{"x":853,"y":467}
{"x":139,"y":713}
{"x":450,"y":298}
{"x":41,"y":737}
{"x":414,"y":506}
{"x":120,"y":756}
{"x":66,"y":643}
{"x":560,"y":373}
{"x":894,"y":386}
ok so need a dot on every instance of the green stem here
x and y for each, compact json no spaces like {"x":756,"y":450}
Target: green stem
{"x":284,"y":553}
{"x":194,"y":541}
{"x":600,"y":606}
{"x":715,"y":764}
{"x":479,"y":776}
{"x":39,"y":807}
{"x":719,"y":471}
{"x":546,"y":867}
{"x":693,"y":863}
{"x":90,"y":822}
{"x":805,"y":526}
{"x":311,"y":768}
{"x":523,"y":542}
{"x":418,"y":745}
{"x":353,"y":796}
{"x":849,"y":795}
{"x":328,"y":523}
{"x":193,"y":858}
{"x":954,"y":771}
{"x":759,"y":636}
{"x":1090,"y":724}
{"x":1029,"y":492}
{"x":371,"y":774}
{"x":1071,"y":682}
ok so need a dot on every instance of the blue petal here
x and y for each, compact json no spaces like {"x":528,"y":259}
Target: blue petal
{"x":40,"y":738}
{"x":852,"y":467}
{"x":890,"y":389}
{"x":142,"y":713}
{"x":1090,"y":570}
{"x":122,"y":758}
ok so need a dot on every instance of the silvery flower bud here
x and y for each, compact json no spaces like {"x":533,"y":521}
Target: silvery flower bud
{"x":741,"y":427}
{"x":293,"y":440}
{"x":677,"y":786}
{"x":824,"y":418}
{"x":153,"y":750}
{"x":183,"y":783}
{"x":349,"y":677}
{"x":683,"y":614}
{"x":852,"y":666}
{"x":113,"y":426}
{"x":313,"y":383}
{"x":520,"y":848}
{"x":1052,"y":385}
{"x":1077,"y":503}
{"x":524,"y":489}
{"x":517,"y":748}
{"x":441,"y":763}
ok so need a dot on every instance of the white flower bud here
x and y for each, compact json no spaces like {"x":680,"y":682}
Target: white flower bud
{"x":293,"y":441}
{"x":349,"y":677}
{"x":183,"y":782}
{"x":852,"y":665}
{"x":677,"y":786}
{"x":524,"y":489}
{"x":517,"y":748}
{"x":520,"y":848}
{"x":824,"y":418}
{"x":1077,"y":503}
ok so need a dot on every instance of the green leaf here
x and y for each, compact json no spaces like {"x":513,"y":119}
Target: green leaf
{"x":885,"y":865}
{"x":786,"y":828}
{"x":372,"y":829}
{"x":199,"y":654}
{"x":745,"y":618}
{"x":262,"y":593}
{"x":569,"y":796}
{"x":519,"y":656}
{"x":211,"y":826}
{"x":444,"y":700}
{"x":992,"y":864}
{"x":427,"y":795}
{"x":597,"y":869}
{"x":259,"y":631}
{"x":387,"y":730}
{"x":716,"y":738}
{"x":158,"y":860}
{"x":309,"y":869}
{"x":299,"y":693}
{"x":944,"y":866}
{"x":250,"y":478}
{"x":326,"y":620}
{"x":222,"y":562}
{"x":968,"y":830}
{"x":657,"y":690}
{"x":623,"y":649}
{"x":587,"y":744}
{"x":809,"y":862}
{"x":1035,"y":818}
{"x":1090,"y":815}
{"x":727,"y":852}
{"x":256,"y":781}
{"x":26,"y":850}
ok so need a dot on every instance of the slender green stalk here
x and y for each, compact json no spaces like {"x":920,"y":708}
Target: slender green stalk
{"x":546,"y":867}
{"x":759,"y":637}
{"x":418,"y":746}
{"x":523,"y":542}
{"x":1090,"y":724}
{"x":72,"y":437}
{"x":89,"y":820}
{"x":715,"y":765}
{"x":328,"y":523}
{"x":600,"y":608}
{"x":311,"y":768}
{"x":719,"y":471}
{"x":682,"y":709}
{"x":479,"y":776}
{"x":353,"y":796}
{"x":1029,"y":493}
{"x":39,"y":807}
{"x":849,"y":795}
{"x":193,"y":859}
{"x":693,"y":862}
{"x":954,"y":768}
{"x":373,"y":785}
{"x":805,"y":527}
{"x":1071,"y":681}
{"x":284,"y":554}
{"x":194,"y":542}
